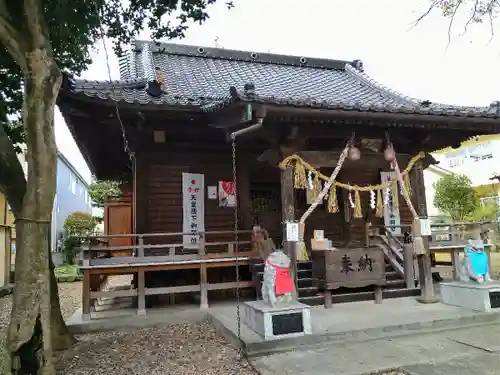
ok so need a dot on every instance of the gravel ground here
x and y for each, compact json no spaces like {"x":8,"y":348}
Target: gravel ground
{"x":186,"y":349}
{"x":183,"y":349}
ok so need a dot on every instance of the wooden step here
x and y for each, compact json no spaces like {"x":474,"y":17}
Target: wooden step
{"x":308,"y":291}
{"x":359,"y":296}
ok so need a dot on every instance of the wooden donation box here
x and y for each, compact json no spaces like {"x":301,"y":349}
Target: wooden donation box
{"x":349,"y":268}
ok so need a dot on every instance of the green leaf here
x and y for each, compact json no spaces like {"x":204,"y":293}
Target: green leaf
{"x":101,"y":191}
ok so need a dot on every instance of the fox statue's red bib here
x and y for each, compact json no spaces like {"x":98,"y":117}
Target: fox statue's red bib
{"x":277,"y":286}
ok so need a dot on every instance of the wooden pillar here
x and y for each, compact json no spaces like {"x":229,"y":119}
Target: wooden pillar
{"x":409,"y":265}
{"x":424,"y":260}
{"x":288,"y":214}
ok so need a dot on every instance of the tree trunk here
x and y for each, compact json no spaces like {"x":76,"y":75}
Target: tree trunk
{"x":37,"y":328}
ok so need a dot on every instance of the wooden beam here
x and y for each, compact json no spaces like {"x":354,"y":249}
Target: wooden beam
{"x":451,"y":122}
{"x":230,"y":117}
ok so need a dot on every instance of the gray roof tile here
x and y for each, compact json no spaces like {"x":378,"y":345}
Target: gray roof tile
{"x":201,"y":78}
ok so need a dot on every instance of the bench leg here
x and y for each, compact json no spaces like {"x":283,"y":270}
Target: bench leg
{"x":328,"y":299}
{"x":86,"y":296}
{"x":141,"y":293}
{"x":378,"y":294}
{"x":203,"y":287}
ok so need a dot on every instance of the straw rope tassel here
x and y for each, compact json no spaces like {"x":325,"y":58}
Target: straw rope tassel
{"x":380,"y":204}
{"x":300,"y":178}
{"x":333,"y":206}
{"x":358,"y":212}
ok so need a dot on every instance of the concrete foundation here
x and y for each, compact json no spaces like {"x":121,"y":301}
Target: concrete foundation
{"x":278,"y":322}
{"x":479,"y":297}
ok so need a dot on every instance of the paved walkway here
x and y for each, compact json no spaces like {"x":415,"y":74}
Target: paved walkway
{"x":474,"y":351}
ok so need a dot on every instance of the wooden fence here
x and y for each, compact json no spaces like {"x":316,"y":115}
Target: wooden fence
{"x":446,"y":242}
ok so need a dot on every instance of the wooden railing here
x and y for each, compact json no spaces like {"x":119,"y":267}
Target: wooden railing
{"x":443,"y":235}
{"x":97,"y":258}
{"x":446,"y":239}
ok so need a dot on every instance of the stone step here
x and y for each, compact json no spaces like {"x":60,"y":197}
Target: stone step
{"x":361,"y":322}
{"x":111,"y":300}
{"x":114,"y":306}
{"x":307,"y":291}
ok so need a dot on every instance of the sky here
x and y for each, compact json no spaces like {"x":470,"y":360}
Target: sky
{"x":418,"y":61}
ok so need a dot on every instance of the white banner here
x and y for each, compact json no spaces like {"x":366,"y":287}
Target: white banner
{"x":193,"y":203}
{"x":391,"y":214}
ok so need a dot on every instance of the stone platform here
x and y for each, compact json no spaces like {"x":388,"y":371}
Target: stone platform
{"x":277,"y":322}
{"x":480,"y":297}
{"x":353,"y":322}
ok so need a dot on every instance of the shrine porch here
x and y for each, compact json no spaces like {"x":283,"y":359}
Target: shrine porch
{"x":355,"y":322}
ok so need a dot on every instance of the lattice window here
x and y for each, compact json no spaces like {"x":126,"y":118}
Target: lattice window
{"x":264,"y":199}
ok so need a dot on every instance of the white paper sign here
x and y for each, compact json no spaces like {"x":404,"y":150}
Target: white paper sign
{"x":425,"y":227}
{"x":292,"y":232}
{"x":193,"y":205}
{"x":392,"y":219}
{"x":212,"y":192}
{"x":319,"y":234}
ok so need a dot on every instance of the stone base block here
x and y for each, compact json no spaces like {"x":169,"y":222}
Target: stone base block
{"x":278,"y":322}
{"x":480,"y":297}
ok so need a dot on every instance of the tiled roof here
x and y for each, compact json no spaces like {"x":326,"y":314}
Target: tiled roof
{"x":210,"y":78}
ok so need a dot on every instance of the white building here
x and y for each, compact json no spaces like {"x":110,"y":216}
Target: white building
{"x":478,"y":159}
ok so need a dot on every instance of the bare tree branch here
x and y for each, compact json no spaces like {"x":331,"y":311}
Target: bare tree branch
{"x":452,"y":19}
{"x":433,"y":5}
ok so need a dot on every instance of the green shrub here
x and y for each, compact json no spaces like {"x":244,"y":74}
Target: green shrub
{"x":76,"y":226}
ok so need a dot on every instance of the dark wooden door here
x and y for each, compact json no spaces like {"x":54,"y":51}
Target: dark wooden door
{"x":118,"y":220}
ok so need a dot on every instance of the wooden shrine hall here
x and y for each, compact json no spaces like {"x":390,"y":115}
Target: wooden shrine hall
{"x":165,"y":127}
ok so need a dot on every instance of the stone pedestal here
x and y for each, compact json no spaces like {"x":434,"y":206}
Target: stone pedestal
{"x":481,"y":297}
{"x":278,"y":322}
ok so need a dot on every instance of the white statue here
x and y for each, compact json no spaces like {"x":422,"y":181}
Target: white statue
{"x":277,"y":286}
{"x":474,"y":265}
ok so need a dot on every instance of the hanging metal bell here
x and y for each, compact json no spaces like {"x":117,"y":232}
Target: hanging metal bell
{"x":389,"y":154}
{"x":354,"y":153}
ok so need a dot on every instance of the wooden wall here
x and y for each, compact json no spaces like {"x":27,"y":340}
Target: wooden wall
{"x":159,"y":196}
{"x":159,"y":192}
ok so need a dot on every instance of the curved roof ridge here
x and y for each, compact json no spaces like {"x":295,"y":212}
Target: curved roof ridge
{"x":365,"y":78}
{"x":398,"y":95}
{"x":199,"y":51}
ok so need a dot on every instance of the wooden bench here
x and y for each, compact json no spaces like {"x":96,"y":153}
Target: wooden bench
{"x":93,"y":267}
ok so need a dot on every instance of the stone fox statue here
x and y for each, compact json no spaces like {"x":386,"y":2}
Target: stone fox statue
{"x":277,"y":286}
{"x":474,"y":265}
